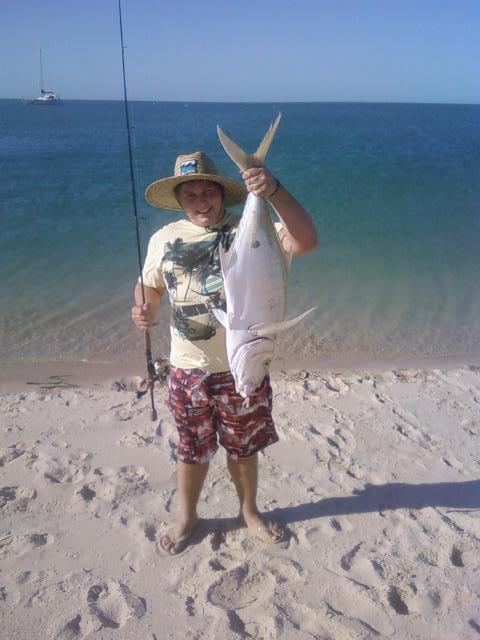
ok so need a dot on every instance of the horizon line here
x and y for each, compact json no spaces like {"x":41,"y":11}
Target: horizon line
{"x":272,"y":102}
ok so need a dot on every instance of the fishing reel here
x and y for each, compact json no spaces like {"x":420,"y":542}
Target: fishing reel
{"x":158,"y":371}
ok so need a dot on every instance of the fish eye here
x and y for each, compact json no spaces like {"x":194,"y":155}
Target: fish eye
{"x":267,"y":362}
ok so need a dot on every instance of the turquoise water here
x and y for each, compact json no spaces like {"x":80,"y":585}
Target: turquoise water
{"x":394,"y":191}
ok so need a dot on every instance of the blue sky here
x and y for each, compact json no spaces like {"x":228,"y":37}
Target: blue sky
{"x":271,"y":50}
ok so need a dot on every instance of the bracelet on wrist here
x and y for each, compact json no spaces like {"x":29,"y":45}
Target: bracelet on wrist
{"x":277,"y":187}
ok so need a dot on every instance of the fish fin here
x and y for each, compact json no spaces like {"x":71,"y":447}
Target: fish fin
{"x":240,"y":158}
{"x":265,"y":328}
{"x":221,"y":316}
{"x":261,"y":153}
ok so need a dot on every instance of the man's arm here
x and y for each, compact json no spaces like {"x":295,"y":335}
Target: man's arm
{"x":143,"y":315}
{"x":300,"y":235}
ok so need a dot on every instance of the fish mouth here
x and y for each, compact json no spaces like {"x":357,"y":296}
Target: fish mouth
{"x":247,"y":382}
{"x":250,"y":388}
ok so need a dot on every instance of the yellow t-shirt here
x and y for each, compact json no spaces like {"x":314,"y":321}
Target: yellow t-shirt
{"x":183,"y":258}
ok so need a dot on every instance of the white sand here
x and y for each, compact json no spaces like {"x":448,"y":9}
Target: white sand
{"x":375,"y":479}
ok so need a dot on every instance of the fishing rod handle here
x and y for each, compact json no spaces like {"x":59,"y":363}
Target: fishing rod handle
{"x":150,"y":373}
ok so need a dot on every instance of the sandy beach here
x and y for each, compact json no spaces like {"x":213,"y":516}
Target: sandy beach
{"x":375,"y":481}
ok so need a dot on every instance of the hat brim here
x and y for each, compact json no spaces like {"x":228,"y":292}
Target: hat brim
{"x":161,"y":192}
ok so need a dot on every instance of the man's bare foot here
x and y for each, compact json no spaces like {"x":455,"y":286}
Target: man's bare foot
{"x":259,"y":527}
{"x":176,"y":539}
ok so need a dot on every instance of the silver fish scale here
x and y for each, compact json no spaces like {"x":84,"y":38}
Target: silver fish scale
{"x":256,"y":284}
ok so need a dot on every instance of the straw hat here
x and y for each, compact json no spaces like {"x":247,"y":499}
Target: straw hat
{"x":192,"y":166}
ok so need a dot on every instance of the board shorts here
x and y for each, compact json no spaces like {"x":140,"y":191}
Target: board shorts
{"x":207,"y":411}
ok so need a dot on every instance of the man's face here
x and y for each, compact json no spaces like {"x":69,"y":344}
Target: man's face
{"x":202,"y":201}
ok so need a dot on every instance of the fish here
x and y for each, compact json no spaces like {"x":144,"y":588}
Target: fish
{"x":255,"y":274}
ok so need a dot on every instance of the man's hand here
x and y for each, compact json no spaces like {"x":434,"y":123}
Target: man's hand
{"x":260,"y":182}
{"x":300,"y":235}
{"x":143,"y":316}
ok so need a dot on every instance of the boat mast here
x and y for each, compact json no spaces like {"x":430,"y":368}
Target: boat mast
{"x":41,"y":73}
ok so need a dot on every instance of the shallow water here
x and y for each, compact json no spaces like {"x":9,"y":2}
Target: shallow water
{"x":394,"y":191}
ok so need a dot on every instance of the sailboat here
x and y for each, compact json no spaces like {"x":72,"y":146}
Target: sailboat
{"x":45,"y":97}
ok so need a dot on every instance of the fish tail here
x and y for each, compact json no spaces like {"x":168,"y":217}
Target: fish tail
{"x":261,"y":153}
{"x":242,"y":159}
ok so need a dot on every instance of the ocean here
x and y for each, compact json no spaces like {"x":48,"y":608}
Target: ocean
{"x":394,"y":190}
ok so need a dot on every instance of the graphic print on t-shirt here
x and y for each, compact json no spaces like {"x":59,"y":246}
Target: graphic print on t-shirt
{"x":193,"y":276}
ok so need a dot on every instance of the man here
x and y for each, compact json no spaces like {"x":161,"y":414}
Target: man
{"x":183,"y":258}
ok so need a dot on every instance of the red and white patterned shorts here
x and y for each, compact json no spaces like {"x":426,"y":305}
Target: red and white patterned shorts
{"x":207,"y":410}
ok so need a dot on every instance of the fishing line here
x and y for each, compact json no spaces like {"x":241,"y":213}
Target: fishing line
{"x":148,"y":344}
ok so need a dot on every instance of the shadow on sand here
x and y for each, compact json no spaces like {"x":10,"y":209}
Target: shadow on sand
{"x":383,"y":497}
{"x":372,"y":498}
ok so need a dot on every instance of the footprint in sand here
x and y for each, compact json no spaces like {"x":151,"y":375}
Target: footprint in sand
{"x":345,"y":437}
{"x":67,"y":469}
{"x":405,"y":375}
{"x":334,"y":447}
{"x":475,"y":625}
{"x":109,"y":487}
{"x":322,"y":455}
{"x":217,"y":539}
{"x":136,"y":439}
{"x":326,"y":530}
{"x":285,"y":570}
{"x":126,"y":412}
{"x":355,"y":606}
{"x":11,"y":453}
{"x":397,"y":601}
{"x":72,"y":630}
{"x":336,"y":384}
{"x":362,"y":568}
{"x":15,"y":499}
{"x":46,"y":587}
{"x":452,"y":462}
{"x":146,"y":534}
{"x":281,"y":570}
{"x":472,"y":427}
{"x":346,"y":560}
{"x":241,"y":586}
{"x":456,"y":557}
{"x":132,"y":474}
{"x":223,"y":561}
{"x":408,"y":426}
{"x":20,"y":545}
{"x":152,"y":531}
{"x":113,"y":604}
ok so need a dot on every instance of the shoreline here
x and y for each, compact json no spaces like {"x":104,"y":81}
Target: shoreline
{"x":22,"y":376}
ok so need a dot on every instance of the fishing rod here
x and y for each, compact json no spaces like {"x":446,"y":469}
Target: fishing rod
{"x":151,"y":375}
